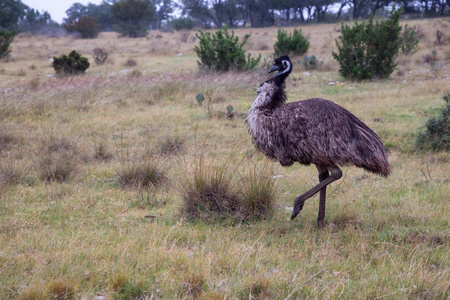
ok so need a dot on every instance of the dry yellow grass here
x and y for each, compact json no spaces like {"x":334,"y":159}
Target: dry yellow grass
{"x":85,"y":237}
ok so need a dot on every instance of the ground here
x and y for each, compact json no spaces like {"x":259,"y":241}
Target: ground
{"x":87,"y":236}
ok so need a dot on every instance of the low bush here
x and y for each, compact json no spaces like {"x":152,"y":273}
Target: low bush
{"x":437,"y":130}
{"x":74,"y":63}
{"x":222,"y":51}
{"x":100,"y":56}
{"x":292,"y":44}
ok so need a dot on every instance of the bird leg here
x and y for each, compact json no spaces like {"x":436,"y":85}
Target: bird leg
{"x":323,"y":174}
{"x":336,"y":173}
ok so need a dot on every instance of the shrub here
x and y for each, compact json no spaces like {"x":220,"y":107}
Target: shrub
{"x":72,"y":64}
{"x":100,"y":56}
{"x":437,"y":134}
{"x":6,"y":38}
{"x":410,"y":40}
{"x":293,"y":44}
{"x":222,"y":51}
{"x":86,"y":26}
{"x":368,"y":50}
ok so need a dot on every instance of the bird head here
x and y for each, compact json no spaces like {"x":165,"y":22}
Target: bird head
{"x":282,"y":64}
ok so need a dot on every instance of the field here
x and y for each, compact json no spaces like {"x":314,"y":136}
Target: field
{"x":71,"y":228}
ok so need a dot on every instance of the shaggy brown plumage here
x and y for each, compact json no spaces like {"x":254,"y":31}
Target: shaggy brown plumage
{"x":314,"y":131}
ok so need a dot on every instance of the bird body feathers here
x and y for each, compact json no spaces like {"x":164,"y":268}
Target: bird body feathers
{"x":314,"y":131}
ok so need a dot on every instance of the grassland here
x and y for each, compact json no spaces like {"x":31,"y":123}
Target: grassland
{"x":86,"y":236}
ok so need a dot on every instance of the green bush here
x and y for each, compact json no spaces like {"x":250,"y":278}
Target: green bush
{"x":293,"y":44}
{"x":6,"y":38}
{"x":410,"y":40}
{"x":368,"y":50}
{"x":72,"y":64}
{"x":222,"y":51}
{"x":437,"y":134}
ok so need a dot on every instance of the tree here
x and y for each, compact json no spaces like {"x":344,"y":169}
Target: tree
{"x":87,"y":27}
{"x":133,"y":17}
{"x":102,"y":13}
{"x":11,"y":11}
{"x":163,"y":9}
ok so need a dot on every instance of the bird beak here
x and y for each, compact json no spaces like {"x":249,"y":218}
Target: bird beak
{"x":274,"y":68}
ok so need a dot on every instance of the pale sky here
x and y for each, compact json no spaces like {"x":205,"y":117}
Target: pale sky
{"x":56,"y":8}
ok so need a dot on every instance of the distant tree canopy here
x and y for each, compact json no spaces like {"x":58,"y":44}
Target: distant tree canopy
{"x":11,"y":12}
{"x":101,"y":13}
{"x":87,"y":27}
{"x":133,"y":17}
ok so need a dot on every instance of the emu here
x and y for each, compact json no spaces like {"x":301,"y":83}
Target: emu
{"x":313,"y":131}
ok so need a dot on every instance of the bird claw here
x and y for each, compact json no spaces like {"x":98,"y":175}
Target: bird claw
{"x":297,"y":209}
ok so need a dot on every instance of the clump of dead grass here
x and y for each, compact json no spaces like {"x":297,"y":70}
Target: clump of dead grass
{"x":56,"y":159}
{"x":101,"y":151}
{"x":193,"y":285}
{"x":12,"y":172}
{"x":139,"y":168}
{"x":61,"y":290}
{"x":257,"y":193}
{"x":130,"y":62}
{"x":7,"y":138}
{"x":171,"y":145}
{"x":124,"y":288}
{"x":216,"y":193}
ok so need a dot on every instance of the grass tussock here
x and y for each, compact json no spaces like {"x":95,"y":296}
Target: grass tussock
{"x":101,"y":151}
{"x":123,"y":288}
{"x":194,"y":285}
{"x":257,"y":193}
{"x":7,"y":139}
{"x":61,"y":290}
{"x":56,"y":159}
{"x":171,"y":145}
{"x":139,"y":168}
{"x":216,"y":193}
{"x":209,"y":193}
{"x":32,"y":293}
{"x":12,"y":172}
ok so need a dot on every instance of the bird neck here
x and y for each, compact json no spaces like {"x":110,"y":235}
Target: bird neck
{"x":278,"y":95}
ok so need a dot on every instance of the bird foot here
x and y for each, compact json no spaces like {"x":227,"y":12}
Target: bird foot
{"x":297,"y":208}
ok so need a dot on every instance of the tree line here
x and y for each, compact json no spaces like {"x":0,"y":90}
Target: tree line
{"x":135,"y":17}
